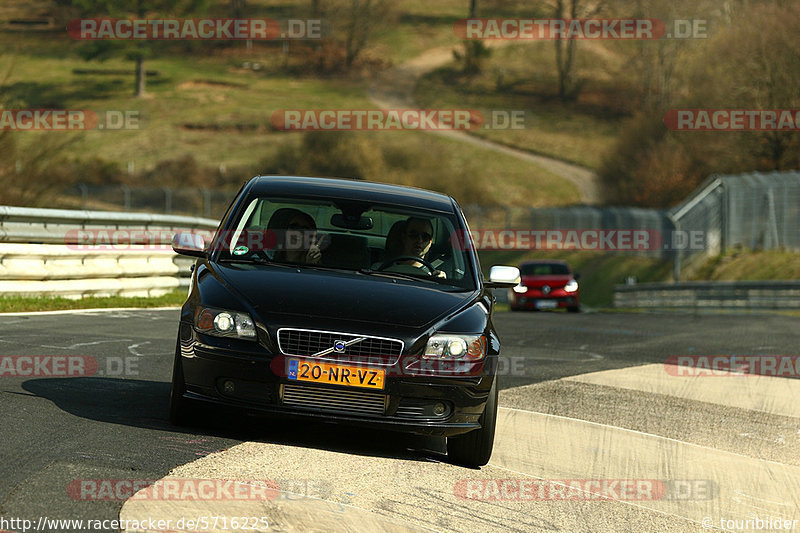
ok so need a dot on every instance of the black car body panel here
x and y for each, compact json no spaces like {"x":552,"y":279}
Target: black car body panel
{"x":421,"y":397}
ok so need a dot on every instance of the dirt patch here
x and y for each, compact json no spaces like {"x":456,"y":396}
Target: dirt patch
{"x":209,"y":84}
{"x":241,"y":127}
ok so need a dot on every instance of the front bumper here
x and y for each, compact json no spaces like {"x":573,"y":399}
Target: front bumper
{"x":426,"y":405}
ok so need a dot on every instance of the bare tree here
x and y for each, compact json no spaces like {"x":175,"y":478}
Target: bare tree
{"x":362,"y":20}
{"x":238,"y":8}
{"x":474,"y":50}
{"x":568,"y":82}
{"x":137,"y":51}
{"x":755,"y":64}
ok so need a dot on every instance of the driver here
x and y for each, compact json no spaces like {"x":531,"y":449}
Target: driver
{"x":416,"y":237}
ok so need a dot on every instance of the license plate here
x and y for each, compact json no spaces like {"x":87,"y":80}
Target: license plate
{"x":546,"y":304}
{"x":353,"y":376}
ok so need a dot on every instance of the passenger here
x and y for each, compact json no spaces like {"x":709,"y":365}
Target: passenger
{"x":297,"y":237}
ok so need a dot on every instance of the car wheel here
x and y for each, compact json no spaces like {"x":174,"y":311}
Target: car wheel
{"x":475,"y":448}
{"x":515,"y":308}
{"x":574,"y":309}
{"x":181,"y":410}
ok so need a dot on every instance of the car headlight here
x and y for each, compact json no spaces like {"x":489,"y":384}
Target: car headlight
{"x":221,"y":323}
{"x":456,"y":347}
{"x":520,"y":288}
{"x":572,"y":286}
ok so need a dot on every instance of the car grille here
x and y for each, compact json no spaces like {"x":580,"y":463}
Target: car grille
{"x":304,"y":342}
{"x":334,"y":400}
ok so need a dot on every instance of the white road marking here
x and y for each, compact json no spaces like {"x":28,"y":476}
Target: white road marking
{"x":134,"y":351}
{"x":77,"y":344}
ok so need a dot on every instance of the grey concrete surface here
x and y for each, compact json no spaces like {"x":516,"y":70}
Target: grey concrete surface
{"x":111,"y":425}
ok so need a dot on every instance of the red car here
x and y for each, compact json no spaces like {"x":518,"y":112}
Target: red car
{"x":546,"y":285}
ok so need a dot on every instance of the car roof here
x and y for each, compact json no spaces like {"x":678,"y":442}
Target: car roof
{"x":350,"y":189}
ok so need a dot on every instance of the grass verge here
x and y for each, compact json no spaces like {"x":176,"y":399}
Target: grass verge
{"x":21,"y":304}
{"x":749,"y":266}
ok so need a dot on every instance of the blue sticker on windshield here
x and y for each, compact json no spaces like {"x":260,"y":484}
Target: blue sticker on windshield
{"x":240,"y":250}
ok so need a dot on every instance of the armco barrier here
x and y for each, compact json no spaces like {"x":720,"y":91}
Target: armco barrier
{"x":92,"y":253}
{"x":710,"y":295}
{"x":57,"y":226}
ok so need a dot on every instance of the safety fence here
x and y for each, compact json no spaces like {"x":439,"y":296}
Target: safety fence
{"x":92,"y":253}
{"x":757,"y":211}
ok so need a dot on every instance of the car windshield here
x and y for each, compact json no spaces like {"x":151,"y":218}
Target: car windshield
{"x":544,"y":269}
{"x":382,"y":240}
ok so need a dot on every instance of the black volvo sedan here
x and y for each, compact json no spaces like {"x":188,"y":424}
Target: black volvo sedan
{"x":344,"y":300}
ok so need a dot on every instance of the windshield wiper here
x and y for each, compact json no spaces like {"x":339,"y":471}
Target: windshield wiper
{"x":324,"y":267}
{"x":401,"y":275}
{"x":251,"y":259}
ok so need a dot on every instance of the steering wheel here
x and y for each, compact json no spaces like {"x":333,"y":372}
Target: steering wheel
{"x":425,"y":263}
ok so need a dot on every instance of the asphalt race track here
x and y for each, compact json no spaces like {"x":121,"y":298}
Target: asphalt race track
{"x":595,"y":433}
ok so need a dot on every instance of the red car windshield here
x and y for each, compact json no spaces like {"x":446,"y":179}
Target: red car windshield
{"x":544,"y":269}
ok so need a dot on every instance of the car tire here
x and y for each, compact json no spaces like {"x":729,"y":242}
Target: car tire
{"x":474,"y":449}
{"x":574,"y":309}
{"x":181,"y":410}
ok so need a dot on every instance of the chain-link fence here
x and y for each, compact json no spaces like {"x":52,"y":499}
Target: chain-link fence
{"x":209,"y":203}
{"x":757,"y":211}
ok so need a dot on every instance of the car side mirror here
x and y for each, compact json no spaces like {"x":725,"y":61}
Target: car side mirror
{"x":190,"y":244}
{"x":502,"y":277}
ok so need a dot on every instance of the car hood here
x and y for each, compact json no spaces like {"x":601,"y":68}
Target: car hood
{"x":275,"y":292}
{"x":551,"y":280}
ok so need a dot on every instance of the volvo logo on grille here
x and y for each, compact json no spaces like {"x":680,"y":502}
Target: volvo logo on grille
{"x":546,"y":289}
{"x":339,"y":346}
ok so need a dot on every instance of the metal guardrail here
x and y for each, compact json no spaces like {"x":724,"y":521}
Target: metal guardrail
{"x":74,"y":254}
{"x":710,"y":295}
{"x":61,"y":226}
